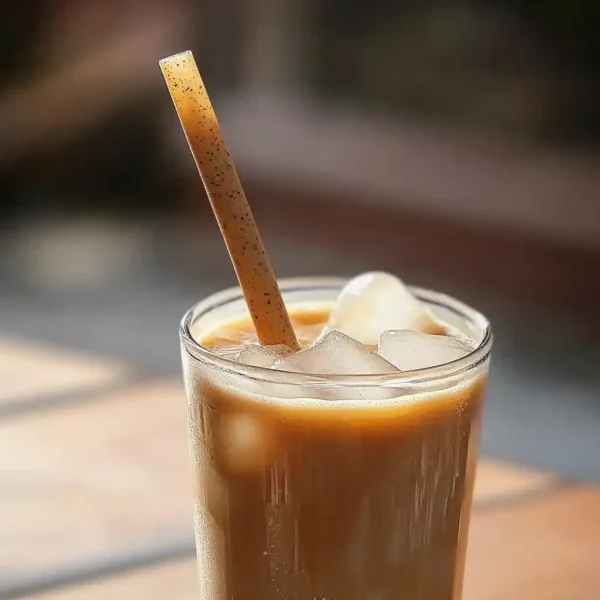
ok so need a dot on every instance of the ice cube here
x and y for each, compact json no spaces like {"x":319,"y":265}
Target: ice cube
{"x":335,"y":354}
{"x":338,"y":354}
{"x":245,"y":442}
{"x":411,"y":350}
{"x":375,"y":302}
{"x":255,"y":355}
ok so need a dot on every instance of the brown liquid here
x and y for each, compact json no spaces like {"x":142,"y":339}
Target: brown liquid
{"x":302,"y":501}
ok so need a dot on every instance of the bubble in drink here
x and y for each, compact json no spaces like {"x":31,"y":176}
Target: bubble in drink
{"x":244,"y":442}
{"x":412,"y":350}
{"x":255,"y":355}
{"x":335,"y":354}
{"x":375,"y":302}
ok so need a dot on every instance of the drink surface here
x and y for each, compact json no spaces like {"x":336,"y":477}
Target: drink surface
{"x":298,"y":500}
{"x":227,"y":338}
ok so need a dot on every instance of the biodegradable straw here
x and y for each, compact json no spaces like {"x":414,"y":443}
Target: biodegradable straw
{"x":228,"y":201}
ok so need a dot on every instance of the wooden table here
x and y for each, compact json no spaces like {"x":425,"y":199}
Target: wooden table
{"x":95,"y":495}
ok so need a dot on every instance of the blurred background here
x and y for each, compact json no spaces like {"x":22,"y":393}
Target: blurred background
{"x":455,"y":144}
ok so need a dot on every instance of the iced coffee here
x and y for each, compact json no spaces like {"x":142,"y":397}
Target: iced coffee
{"x":344,"y":470}
{"x":333,"y":425}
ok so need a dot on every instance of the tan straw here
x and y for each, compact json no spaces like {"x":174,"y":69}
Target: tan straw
{"x":227,"y":198}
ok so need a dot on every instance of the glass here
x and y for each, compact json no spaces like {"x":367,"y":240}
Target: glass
{"x":299,"y":496}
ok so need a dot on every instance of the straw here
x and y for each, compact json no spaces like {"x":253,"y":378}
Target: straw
{"x":248,"y":255}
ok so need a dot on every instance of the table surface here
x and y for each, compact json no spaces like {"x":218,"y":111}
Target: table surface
{"x":96,"y":500}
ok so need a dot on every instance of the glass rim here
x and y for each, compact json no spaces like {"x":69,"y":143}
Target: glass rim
{"x":394,"y":380}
